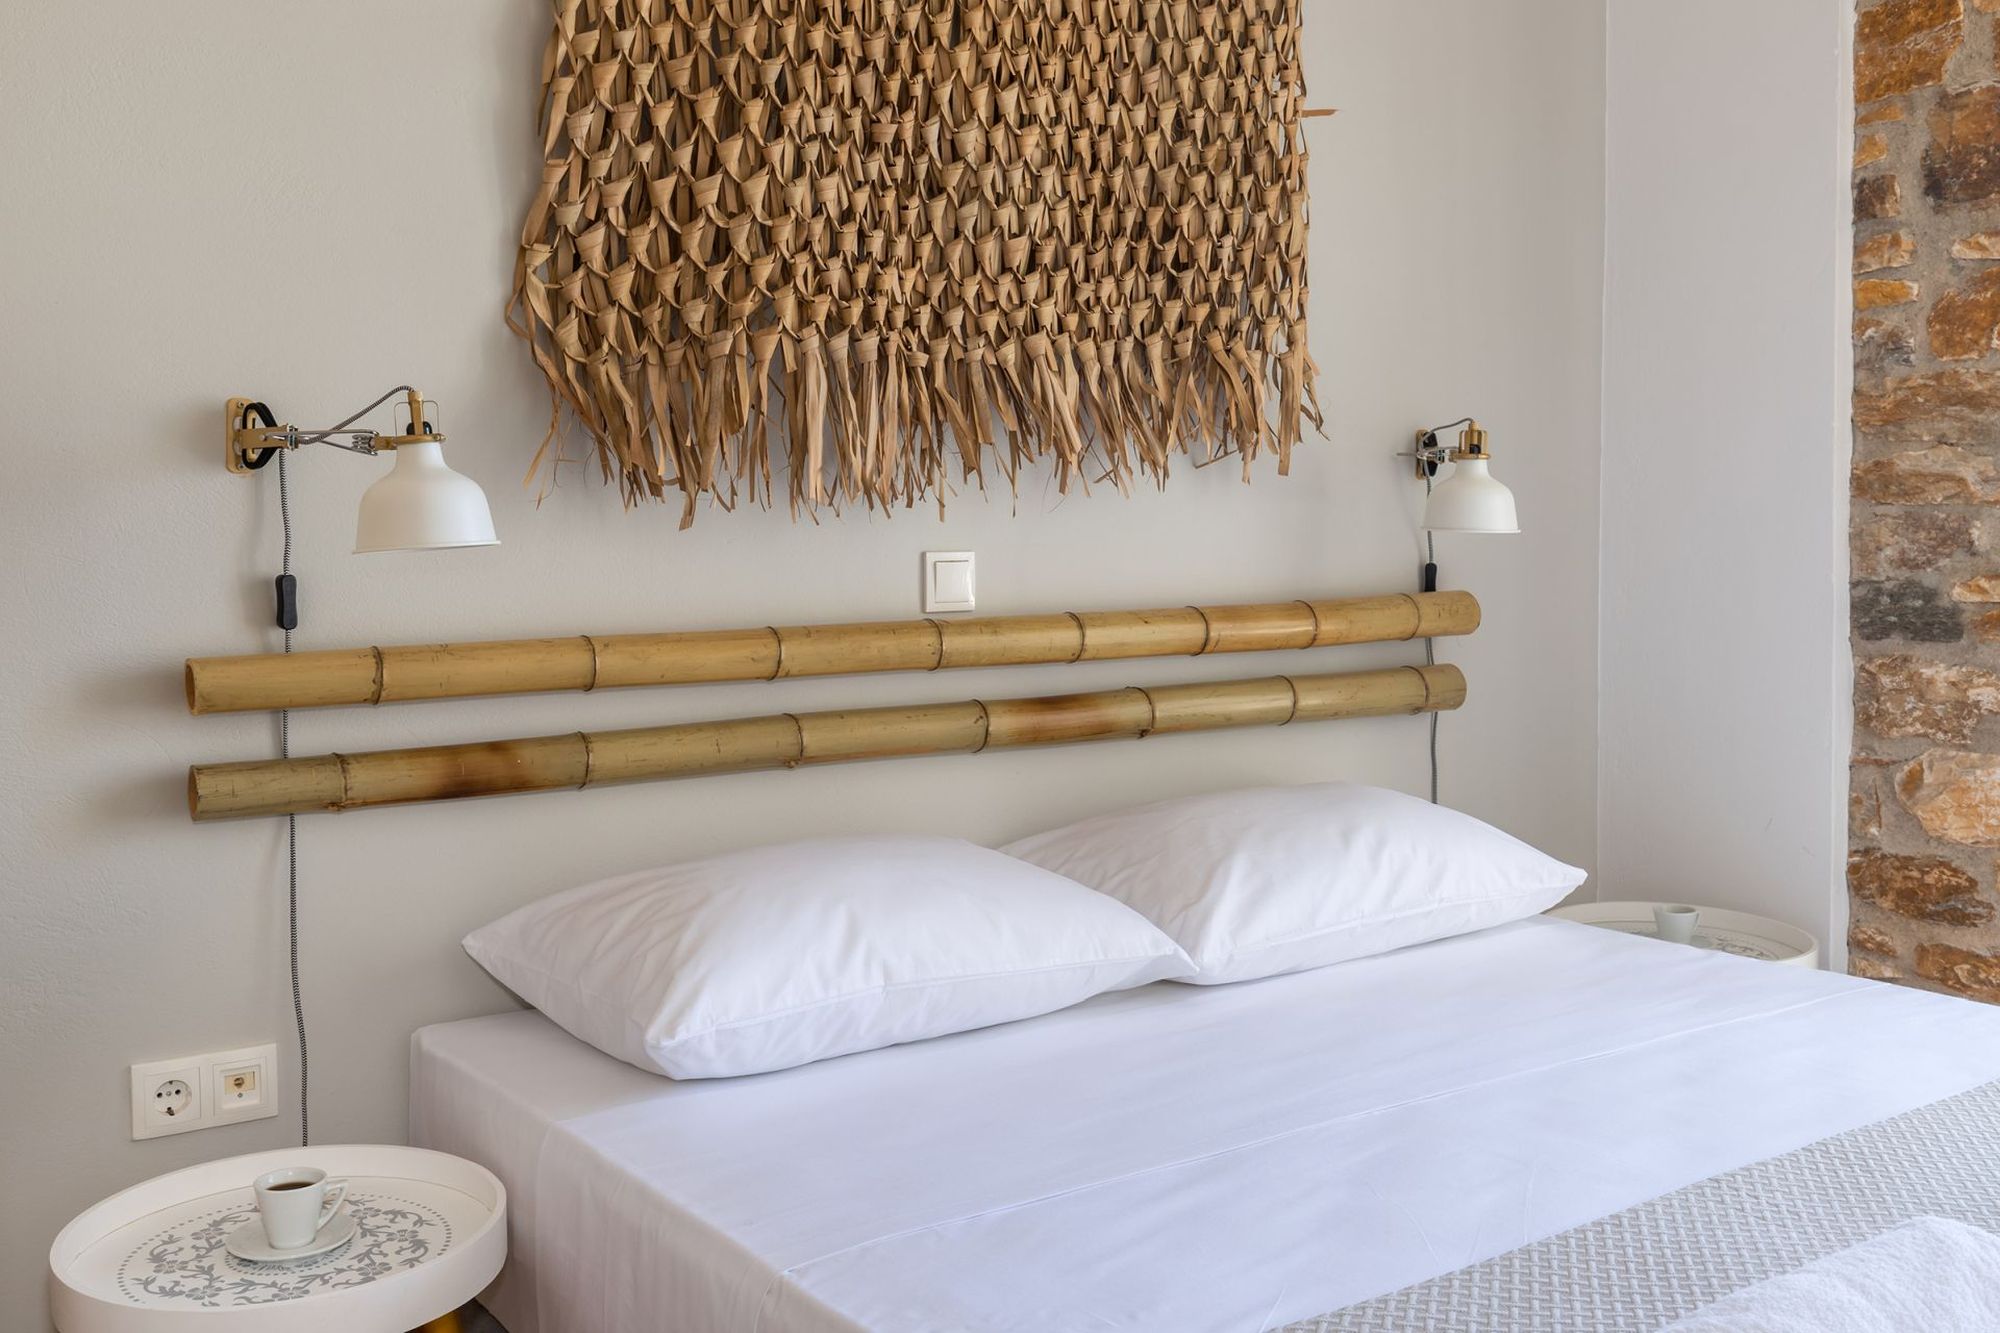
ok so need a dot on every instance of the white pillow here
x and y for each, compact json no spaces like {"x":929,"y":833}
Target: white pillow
{"x":1279,"y":879}
{"x":783,"y":955}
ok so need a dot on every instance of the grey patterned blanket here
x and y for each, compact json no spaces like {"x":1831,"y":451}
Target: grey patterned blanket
{"x":1639,"y":1270}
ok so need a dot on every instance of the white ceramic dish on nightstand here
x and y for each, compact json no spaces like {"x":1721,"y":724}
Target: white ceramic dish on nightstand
{"x":249,"y":1243}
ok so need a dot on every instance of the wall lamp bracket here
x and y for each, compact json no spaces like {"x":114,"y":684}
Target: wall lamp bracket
{"x":1430,"y":452}
{"x":251,"y":444}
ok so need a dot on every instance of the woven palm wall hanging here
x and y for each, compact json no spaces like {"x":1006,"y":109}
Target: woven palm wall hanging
{"x":896,"y":244}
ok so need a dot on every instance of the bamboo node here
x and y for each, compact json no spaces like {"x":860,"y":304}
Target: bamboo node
{"x":1207,"y":633}
{"x":1312,"y":611}
{"x":1291,"y":686}
{"x":596,"y":665}
{"x":1152,"y":712}
{"x":1416,"y":615}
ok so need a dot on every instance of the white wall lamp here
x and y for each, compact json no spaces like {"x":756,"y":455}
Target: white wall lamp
{"x":422,"y":505}
{"x":1469,"y":499}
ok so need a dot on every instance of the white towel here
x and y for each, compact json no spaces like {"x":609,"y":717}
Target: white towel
{"x":1929,"y":1275}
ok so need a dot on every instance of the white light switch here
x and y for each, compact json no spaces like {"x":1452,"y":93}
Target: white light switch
{"x":947,"y":581}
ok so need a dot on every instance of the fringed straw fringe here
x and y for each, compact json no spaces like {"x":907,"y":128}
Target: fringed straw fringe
{"x":905,"y":237}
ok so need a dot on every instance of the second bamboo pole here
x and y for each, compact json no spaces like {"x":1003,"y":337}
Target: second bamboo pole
{"x":786,"y":740}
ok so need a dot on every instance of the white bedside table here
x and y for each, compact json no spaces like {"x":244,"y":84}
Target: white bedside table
{"x":433,"y":1233}
{"x":1739,"y":933}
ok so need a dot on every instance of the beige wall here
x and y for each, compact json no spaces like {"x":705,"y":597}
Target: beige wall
{"x":1723,"y":715}
{"x":200,"y":200}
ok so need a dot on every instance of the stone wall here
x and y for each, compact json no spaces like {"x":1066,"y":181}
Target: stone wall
{"x":1925,"y":812}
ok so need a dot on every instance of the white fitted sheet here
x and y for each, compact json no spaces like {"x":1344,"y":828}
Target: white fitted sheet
{"x":1175,"y":1157}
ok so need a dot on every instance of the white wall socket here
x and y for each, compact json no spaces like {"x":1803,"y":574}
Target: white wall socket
{"x":201,"y":1091}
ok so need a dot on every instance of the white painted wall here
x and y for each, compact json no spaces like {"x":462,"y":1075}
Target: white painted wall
{"x":210,"y":199}
{"x":1723,"y":707}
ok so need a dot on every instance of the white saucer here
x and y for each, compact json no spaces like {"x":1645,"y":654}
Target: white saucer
{"x":248,"y":1242}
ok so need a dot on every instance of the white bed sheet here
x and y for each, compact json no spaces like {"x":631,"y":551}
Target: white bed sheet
{"x":1175,"y":1157}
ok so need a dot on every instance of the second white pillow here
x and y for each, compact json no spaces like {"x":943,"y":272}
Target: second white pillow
{"x":1256,"y":882}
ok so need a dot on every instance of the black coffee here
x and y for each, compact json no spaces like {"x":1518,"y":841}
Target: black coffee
{"x":292,"y":1185}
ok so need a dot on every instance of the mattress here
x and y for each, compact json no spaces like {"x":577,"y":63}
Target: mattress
{"x":1175,"y":1157}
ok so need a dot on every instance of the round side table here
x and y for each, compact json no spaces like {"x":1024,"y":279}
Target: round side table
{"x":432,"y":1234}
{"x":1739,"y":933}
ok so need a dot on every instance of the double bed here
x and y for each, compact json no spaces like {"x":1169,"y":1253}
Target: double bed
{"x":1541,"y":1124}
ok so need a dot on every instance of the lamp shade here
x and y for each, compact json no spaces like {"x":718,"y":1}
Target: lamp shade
{"x":422,"y":505}
{"x":1471,"y":500}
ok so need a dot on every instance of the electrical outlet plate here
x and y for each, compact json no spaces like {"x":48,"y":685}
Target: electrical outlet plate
{"x":202,"y":1091}
{"x":167,"y":1098}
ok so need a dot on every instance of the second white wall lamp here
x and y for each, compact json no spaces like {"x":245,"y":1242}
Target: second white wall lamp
{"x":1469,"y":499}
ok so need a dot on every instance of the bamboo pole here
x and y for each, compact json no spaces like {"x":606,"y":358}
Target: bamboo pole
{"x":788,"y":740}
{"x":594,"y":662}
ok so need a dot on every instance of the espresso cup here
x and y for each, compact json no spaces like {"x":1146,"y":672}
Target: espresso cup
{"x":1676,"y":924}
{"x":294,"y":1202}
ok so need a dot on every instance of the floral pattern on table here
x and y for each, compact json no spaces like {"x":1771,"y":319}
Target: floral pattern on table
{"x":186,"y":1263}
